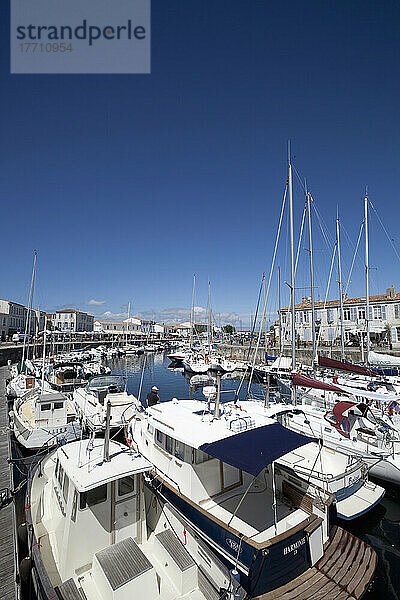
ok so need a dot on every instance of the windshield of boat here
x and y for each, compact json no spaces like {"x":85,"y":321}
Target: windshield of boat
{"x":113,"y":384}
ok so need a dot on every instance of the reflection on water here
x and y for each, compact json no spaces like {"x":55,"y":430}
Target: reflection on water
{"x":173,"y":382}
{"x":380,"y":527}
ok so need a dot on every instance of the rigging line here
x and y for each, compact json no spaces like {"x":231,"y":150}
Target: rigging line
{"x":251,"y":339}
{"x":266,"y":297}
{"x":300,"y":179}
{"x":269,"y":286}
{"x":354,"y":258}
{"x":327,"y":292}
{"x":295,"y":273}
{"x":386,"y":232}
{"x":322,"y":226}
{"x":275,"y":249}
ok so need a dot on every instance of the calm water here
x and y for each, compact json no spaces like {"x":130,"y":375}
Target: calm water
{"x":380,"y":528}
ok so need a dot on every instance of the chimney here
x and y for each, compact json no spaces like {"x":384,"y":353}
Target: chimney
{"x":391,"y":292}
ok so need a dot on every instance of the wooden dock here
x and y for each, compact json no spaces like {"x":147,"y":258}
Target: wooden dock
{"x":343,"y":573}
{"x":7,"y":561}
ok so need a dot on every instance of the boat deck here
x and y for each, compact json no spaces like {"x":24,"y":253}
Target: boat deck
{"x":7,"y":570}
{"x":343,"y":573}
{"x":255,"y":516}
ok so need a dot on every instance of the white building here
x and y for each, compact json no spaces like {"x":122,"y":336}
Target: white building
{"x":115,"y":327}
{"x":71,"y":320}
{"x":143,"y":324}
{"x":384,"y":319}
{"x":13,"y":319}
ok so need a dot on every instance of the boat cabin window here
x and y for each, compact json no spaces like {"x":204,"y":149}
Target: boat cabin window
{"x":126,"y":485}
{"x":172,"y":446}
{"x":58,"y":405}
{"x":65,"y":487}
{"x":93,"y":497}
{"x":60,"y":475}
{"x":169,"y":443}
{"x":200,"y":456}
{"x":74,"y":506}
{"x":159,"y":438}
{"x":179,"y":450}
{"x":44,"y":407}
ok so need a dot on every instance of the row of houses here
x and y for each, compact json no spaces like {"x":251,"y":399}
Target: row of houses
{"x":13,"y":319}
{"x":140,"y":327}
{"x":384,"y":319}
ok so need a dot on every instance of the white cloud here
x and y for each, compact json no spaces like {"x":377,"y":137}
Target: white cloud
{"x":93,"y":302}
{"x":110,"y":316}
{"x":175,"y":316}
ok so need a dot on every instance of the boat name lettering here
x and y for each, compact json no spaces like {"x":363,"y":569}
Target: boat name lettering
{"x":294,"y":547}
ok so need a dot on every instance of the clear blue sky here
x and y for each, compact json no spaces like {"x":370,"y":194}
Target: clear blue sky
{"x":127,"y":185}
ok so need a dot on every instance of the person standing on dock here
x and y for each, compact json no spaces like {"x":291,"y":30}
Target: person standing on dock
{"x":152,"y":397}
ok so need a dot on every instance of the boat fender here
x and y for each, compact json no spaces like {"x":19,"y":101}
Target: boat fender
{"x":25,"y":567}
{"x":23,"y":533}
{"x":235,"y":580}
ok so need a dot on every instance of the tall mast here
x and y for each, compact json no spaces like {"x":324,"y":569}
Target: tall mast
{"x":28,"y":314}
{"x":292,"y":263}
{"x":127,"y":324}
{"x":311,"y":281}
{"x":209,"y":316}
{"x":192,"y":312}
{"x":265,"y":316}
{"x":366,"y":274}
{"x":279,"y":311}
{"x":43,"y":361}
{"x":340,"y":284}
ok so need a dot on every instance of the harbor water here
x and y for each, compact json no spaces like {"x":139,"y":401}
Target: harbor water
{"x":380,"y":527}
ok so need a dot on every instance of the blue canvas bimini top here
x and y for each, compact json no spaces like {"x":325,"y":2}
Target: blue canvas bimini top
{"x":256,"y":448}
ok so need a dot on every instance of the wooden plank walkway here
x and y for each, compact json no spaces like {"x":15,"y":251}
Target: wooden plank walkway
{"x":343,"y":573}
{"x":7,"y":566}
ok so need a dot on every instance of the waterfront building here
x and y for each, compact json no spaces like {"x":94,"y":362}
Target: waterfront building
{"x":384,"y":320}
{"x":71,"y":320}
{"x":115,"y":327}
{"x":13,"y":319}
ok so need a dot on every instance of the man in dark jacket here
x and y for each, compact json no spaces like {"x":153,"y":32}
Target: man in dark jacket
{"x":153,"y":397}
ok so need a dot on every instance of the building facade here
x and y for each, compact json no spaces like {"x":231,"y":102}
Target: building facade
{"x":13,"y":319}
{"x":115,"y":327}
{"x":71,"y":320}
{"x":384,"y":320}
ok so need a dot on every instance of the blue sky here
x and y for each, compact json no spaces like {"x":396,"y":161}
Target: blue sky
{"x":127,"y":185}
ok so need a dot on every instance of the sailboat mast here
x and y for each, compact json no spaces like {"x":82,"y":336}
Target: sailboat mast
{"x":28,"y":314}
{"x":279,"y":311}
{"x":192,"y":312}
{"x":127,"y":324}
{"x":292,"y":263}
{"x":43,"y":361}
{"x":340,"y":285}
{"x":265,"y":316}
{"x":311,"y":281}
{"x":367,"y":275}
{"x":209,"y":317}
